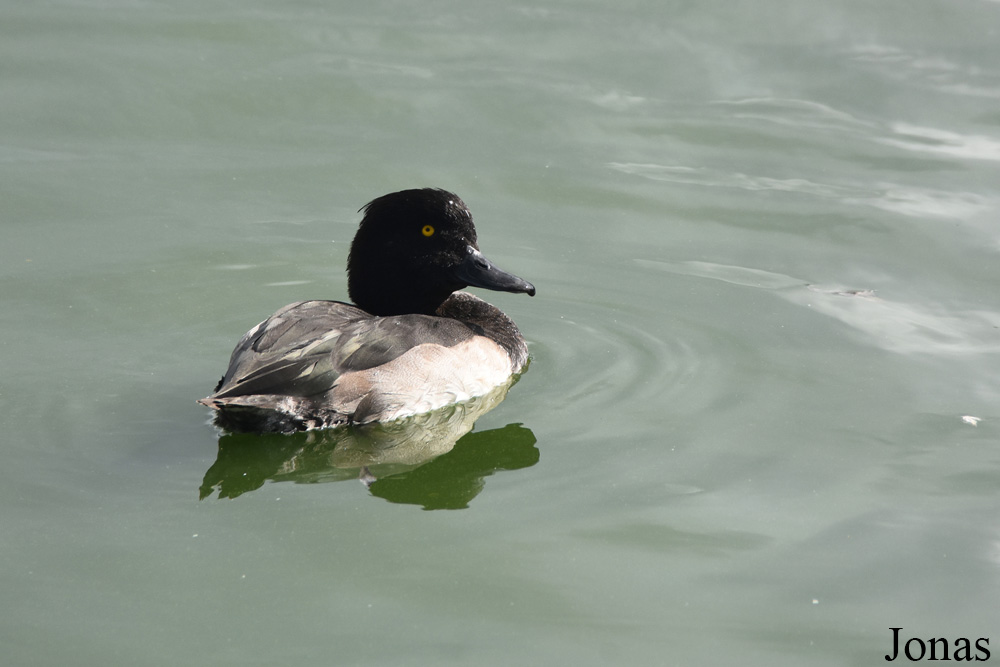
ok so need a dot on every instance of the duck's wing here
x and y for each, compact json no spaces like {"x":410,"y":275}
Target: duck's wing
{"x":305,"y":347}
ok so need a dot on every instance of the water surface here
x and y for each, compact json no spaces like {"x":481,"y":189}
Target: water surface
{"x":760,"y":422}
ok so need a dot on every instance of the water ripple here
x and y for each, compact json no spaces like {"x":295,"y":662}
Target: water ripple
{"x":926,"y":203}
{"x":708,"y":177}
{"x":795,"y":113}
{"x":927,"y":69}
{"x":606,"y":358}
{"x":932,"y":140}
{"x":908,"y":200}
{"x":897,"y":326}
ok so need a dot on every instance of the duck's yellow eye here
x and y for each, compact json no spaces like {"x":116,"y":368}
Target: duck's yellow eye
{"x":427,"y":231}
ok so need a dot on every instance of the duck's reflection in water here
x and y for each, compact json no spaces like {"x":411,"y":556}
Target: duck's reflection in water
{"x":413,"y":460}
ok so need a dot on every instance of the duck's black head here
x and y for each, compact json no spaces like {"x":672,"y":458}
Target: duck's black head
{"x":413,"y":249}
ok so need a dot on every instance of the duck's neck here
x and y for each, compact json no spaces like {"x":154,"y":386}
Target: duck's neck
{"x":401,"y":299}
{"x":491,"y":320}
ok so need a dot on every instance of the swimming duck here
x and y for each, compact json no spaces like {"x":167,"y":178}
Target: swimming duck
{"x":410,"y":343}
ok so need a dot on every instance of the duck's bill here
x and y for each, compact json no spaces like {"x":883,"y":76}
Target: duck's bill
{"x":477,"y":271}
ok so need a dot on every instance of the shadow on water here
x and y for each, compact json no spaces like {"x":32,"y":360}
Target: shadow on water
{"x":431,"y":460}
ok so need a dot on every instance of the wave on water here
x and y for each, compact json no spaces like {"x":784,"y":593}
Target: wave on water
{"x":897,"y":326}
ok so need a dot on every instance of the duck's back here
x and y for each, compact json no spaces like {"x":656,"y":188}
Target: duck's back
{"x":322,"y":363}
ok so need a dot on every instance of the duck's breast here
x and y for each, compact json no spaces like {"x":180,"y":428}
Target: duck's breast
{"x":425,"y":378}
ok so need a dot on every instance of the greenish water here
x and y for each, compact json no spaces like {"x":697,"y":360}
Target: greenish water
{"x":760,"y":425}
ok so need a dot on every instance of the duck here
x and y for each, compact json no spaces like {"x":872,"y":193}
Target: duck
{"x":412,"y":341}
